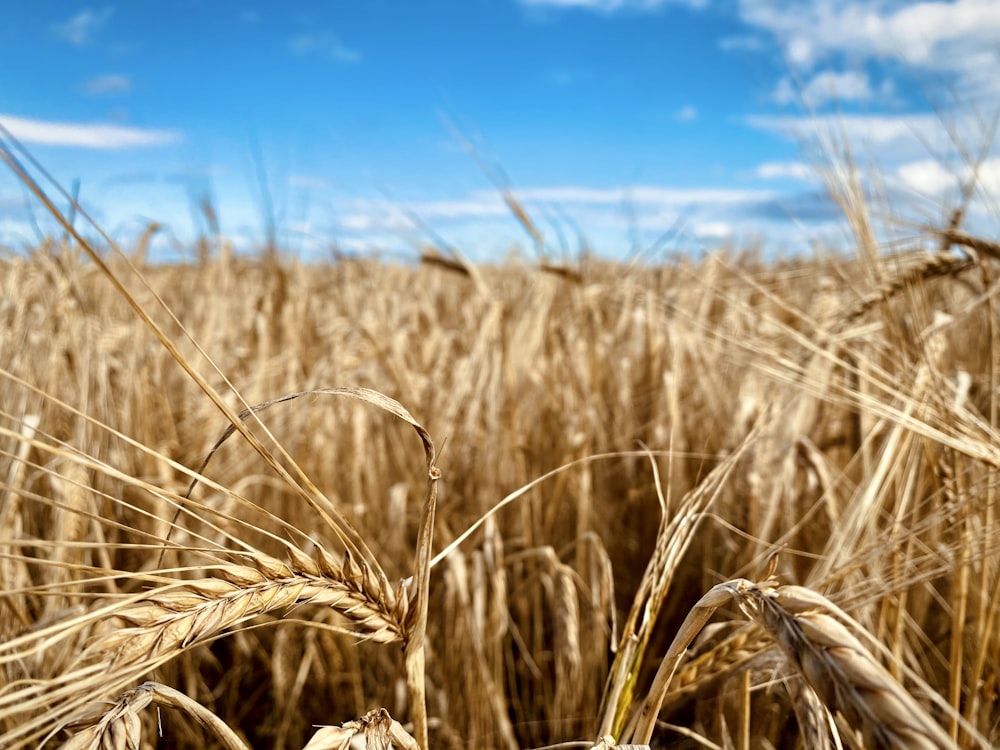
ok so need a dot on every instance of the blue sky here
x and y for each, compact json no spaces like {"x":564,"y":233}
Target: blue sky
{"x":379,"y":126}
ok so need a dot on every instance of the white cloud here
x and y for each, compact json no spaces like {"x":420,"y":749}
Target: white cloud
{"x":883,"y":141}
{"x":323,"y":44}
{"x":613,"y":220}
{"x":81,"y":28}
{"x":357,"y":222}
{"x":653,"y":202}
{"x":714,"y":230}
{"x":479,"y":206}
{"x":989,"y":176}
{"x":377,"y":219}
{"x":598,"y":212}
{"x":687,"y":113}
{"x":909,"y":154}
{"x":932,"y":36}
{"x":107,"y":85}
{"x":902,"y":132}
{"x":933,"y":178}
{"x":827,"y":86}
{"x":788,"y":170}
{"x":927,"y":176}
{"x":919,"y":30}
{"x":388,"y":216}
{"x":85,"y":135}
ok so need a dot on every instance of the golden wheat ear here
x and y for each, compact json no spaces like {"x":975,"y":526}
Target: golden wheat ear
{"x":814,"y":636}
{"x":817,"y":641}
{"x":378,"y":728}
{"x":118,"y":725}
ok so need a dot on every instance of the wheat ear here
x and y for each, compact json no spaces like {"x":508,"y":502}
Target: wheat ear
{"x":176,"y":617}
{"x":813,"y":634}
{"x":378,"y":727}
{"x":118,"y":726}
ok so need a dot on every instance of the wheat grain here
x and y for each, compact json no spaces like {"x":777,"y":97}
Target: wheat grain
{"x":180,"y":616}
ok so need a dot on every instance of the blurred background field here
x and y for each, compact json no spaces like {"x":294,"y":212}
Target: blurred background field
{"x":869,"y":384}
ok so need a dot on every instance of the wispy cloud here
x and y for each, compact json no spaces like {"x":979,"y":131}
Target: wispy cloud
{"x":86,"y":135}
{"x":81,"y":28}
{"x":608,"y":219}
{"x":565,"y":76}
{"x":107,"y":85}
{"x":657,"y":207}
{"x":666,"y":197}
{"x":687,"y":113}
{"x":828,"y":86}
{"x":785,"y":170}
{"x":394,"y":217}
{"x":323,"y":44}
{"x":376,"y":221}
{"x":917,"y":130}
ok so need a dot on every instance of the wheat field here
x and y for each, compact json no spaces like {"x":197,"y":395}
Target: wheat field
{"x":721,"y":502}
